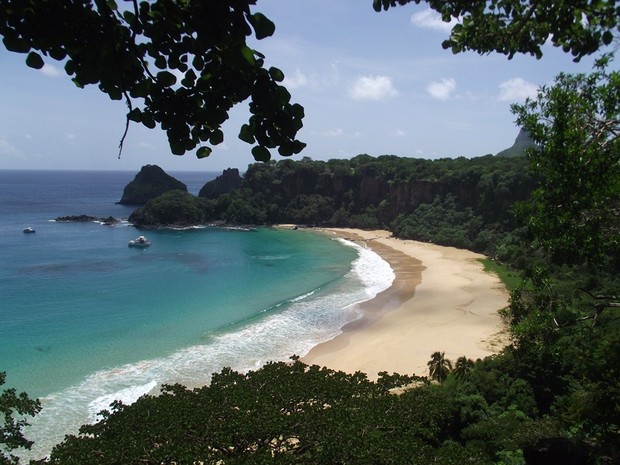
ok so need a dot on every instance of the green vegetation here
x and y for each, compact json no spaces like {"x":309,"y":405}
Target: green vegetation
{"x":551,"y":396}
{"x":516,"y":26}
{"x":180,"y":65}
{"x":576,"y":124}
{"x":460,"y":202}
{"x":14,"y":408}
{"x":173,"y":208}
{"x":508,"y":276}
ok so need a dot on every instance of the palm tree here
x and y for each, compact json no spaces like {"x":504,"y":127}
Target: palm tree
{"x":439,"y":367}
{"x":462,"y":367}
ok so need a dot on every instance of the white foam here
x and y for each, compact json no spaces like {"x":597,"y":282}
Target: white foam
{"x":127,"y":396}
{"x":304,"y":296}
{"x":375,"y":273}
{"x":295,"y":328}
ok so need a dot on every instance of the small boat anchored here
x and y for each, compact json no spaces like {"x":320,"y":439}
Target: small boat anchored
{"x":29,"y":230}
{"x":139,"y":242}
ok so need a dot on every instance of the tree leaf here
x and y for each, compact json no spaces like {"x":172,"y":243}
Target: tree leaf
{"x":217,"y":137}
{"x":15,"y":44}
{"x":34,"y":60}
{"x":147,"y":120}
{"x":246,"y":134}
{"x":263,"y":26}
{"x":248,"y":55}
{"x":166,"y":78}
{"x":177,"y":146}
{"x":276,"y":74}
{"x":261,"y":154}
{"x":203,"y":152}
{"x":135,"y":115}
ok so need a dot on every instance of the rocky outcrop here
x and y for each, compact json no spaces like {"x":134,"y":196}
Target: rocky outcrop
{"x":86,"y":218}
{"x":522,"y":142}
{"x":149,"y":183}
{"x":228,"y":181}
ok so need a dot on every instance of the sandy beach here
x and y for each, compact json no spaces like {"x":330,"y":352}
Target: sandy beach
{"x":440,"y":300}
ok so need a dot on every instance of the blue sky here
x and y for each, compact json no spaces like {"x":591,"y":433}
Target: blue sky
{"x":375,"y":83}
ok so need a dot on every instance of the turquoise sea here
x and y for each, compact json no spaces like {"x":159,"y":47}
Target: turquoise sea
{"x":86,"y":320}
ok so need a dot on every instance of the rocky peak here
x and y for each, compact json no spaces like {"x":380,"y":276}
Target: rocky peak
{"x":522,"y":142}
{"x":149,"y":183}
{"x":228,"y":181}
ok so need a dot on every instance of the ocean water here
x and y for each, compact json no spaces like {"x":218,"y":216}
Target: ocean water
{"x":86,"y":320}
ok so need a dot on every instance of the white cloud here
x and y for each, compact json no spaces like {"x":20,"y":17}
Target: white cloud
{"x":400,"y":133}
{"x":429,"y":19}
{"x":372,"y":88}
{"x":441,"y":90}
{"x":51,"y":70}
{"x":336,"y":132}
{"x":7,"y":150}
{"x":298,"y":79}
{"x":314,"y":81}
{"x":516,"y":89}
{"x":71,"y":138}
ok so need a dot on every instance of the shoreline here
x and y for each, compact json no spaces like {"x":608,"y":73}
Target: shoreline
{"x":441,"y":300}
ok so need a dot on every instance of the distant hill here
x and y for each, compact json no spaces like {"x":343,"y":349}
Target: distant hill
{"x":522,"y":142}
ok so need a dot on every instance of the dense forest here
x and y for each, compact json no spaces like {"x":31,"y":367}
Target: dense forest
{"x":461,"y":202}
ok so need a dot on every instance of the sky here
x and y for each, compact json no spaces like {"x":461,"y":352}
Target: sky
{"x":371,"y":83}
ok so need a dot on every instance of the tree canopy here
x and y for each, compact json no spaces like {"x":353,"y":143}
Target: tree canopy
{"x":183,"y":65}
{"x":509,"y":27}
{"x":575,"y":211}
{"x":14,"y":408}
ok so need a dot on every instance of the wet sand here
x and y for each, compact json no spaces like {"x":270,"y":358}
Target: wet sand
{"x":441,"y":300}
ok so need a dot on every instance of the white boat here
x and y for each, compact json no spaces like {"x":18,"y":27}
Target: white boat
{"x":140,"y":242}
{"x":28,"y":230}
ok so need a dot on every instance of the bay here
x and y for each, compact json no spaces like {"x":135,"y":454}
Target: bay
{"x":87,"y":320}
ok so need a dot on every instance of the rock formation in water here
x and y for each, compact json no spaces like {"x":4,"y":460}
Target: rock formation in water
{"x":149,"y":183}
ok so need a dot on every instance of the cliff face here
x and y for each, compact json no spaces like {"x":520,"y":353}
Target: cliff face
{"x":149,"y":183}
{"x":379,"y":189}
{"x":466,"y":199}
{"x":228,"y":181}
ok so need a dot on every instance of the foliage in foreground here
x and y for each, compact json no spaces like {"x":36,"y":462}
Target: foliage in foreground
{"x":14,"y":408}
{"x":180,"y":65}
{"x":294,"y":413}
{"x":556,"y":383}
{"x":574,"y":214}
{"x":183,"y":65}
